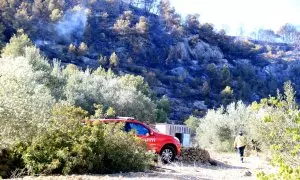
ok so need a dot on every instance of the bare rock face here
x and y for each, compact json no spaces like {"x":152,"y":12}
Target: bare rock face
{"x":184,"y":54}
{"x":205,"y":51}
{"x":179,"y":71}
{"x":202,"y":51}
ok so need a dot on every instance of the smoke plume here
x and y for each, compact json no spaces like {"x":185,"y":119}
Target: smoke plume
{"x":72,"y":25}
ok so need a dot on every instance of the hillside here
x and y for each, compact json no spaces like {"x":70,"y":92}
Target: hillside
{"x":190,"y":62}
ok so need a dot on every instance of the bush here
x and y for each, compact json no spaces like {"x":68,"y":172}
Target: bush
{"x":25,"y":99}
{"x":285,"y":173}
{"x":163,"y":109}
{"x":89,"y":149}
{"x":68,"y":147}
{"x":55,"y":141}
{"x":123,"y":23}
{"x":56,"y":14}
{"x":82,"y":49}
{"x":136,"y":82}
{"x":142,"y":26}
{"x":113,"y":60}
{"x":227,"y":95}
{"x":280,"y":118}
{"x":30,"y":86}
{"x":192,"y":122}
{"x":219,"y":127}
{"x":16,"y":45}
{"x":273,"y":123}
{"x":87,"y":88}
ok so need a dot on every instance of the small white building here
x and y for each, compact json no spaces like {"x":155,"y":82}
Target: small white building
{"x":182,"y":132}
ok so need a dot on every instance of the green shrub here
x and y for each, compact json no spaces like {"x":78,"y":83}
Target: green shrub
{"x":89,"y":149}
{"x":192,"y":122}
{"x":227,"y":95}
{"x":69,"y":147}
{"x":273,"y":124}
{"x":62,"y":152}
{"x":113,"y":60}
{"x":16,"y":45}
{"x":219,"y":127}
{"x":25,"y":99}
{"x":87,"y":88}
{"x":163,"y":109}
{"x":111,"y":113}
{"x":285,"y":173}
{"x":281,"y":118}
{"x":161,"y":116}
{"x":137,"y":82}
{"x":124,"y":152}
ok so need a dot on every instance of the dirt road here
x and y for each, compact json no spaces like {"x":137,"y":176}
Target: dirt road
{"x":229,"y":167}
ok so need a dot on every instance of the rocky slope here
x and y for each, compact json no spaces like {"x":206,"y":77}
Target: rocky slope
{"x":190,"y":62}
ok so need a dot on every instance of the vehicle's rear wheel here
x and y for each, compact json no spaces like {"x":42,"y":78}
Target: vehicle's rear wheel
{"x":167,"y":154}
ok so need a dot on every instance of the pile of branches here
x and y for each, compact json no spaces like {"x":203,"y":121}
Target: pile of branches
{"x":195,"y":154}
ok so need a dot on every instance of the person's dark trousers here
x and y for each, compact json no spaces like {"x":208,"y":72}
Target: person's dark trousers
{"x":241,"y":152}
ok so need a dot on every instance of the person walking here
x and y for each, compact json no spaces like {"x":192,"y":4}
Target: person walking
{"x":240,"y":144}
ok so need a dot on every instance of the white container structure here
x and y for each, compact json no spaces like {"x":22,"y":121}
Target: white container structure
{"x":182,"y":132}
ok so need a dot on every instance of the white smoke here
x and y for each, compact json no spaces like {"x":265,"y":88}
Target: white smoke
{"x":40,"y":42}
{"x":73,"y":23}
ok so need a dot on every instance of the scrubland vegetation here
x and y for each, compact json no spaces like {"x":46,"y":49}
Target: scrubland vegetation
{"x":184,"y":59}
{"x":68,"y":60}
{"x":43,"y":105}
{"x":271,"y":125}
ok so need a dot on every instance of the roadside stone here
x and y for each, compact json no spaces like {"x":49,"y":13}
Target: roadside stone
{"x":247,"y":173}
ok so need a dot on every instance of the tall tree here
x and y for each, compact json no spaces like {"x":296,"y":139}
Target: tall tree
{"x":113,"y":60}
{"x":266,"y":35}
{"x":171,"y":19}
{"x":288,"y":33}
{"x":192,"y":23}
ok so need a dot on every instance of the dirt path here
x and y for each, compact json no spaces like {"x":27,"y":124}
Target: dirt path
{"x":229,"y":167}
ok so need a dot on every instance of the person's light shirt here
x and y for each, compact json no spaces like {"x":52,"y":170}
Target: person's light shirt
{"x":240,"y":141}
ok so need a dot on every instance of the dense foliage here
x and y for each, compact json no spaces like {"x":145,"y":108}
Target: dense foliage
{"x":99,"y":45}
{"x":68,"y":147}
{"x":30,"y":87}
{"x":271,"y":125}
{"x":219,"y":127}
{"x":41,"y":108}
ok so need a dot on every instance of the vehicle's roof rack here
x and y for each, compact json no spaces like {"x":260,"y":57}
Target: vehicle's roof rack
{"x":127,"y":118}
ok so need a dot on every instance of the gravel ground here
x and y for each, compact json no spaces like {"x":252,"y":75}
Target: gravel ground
{"x":229,"y":167}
